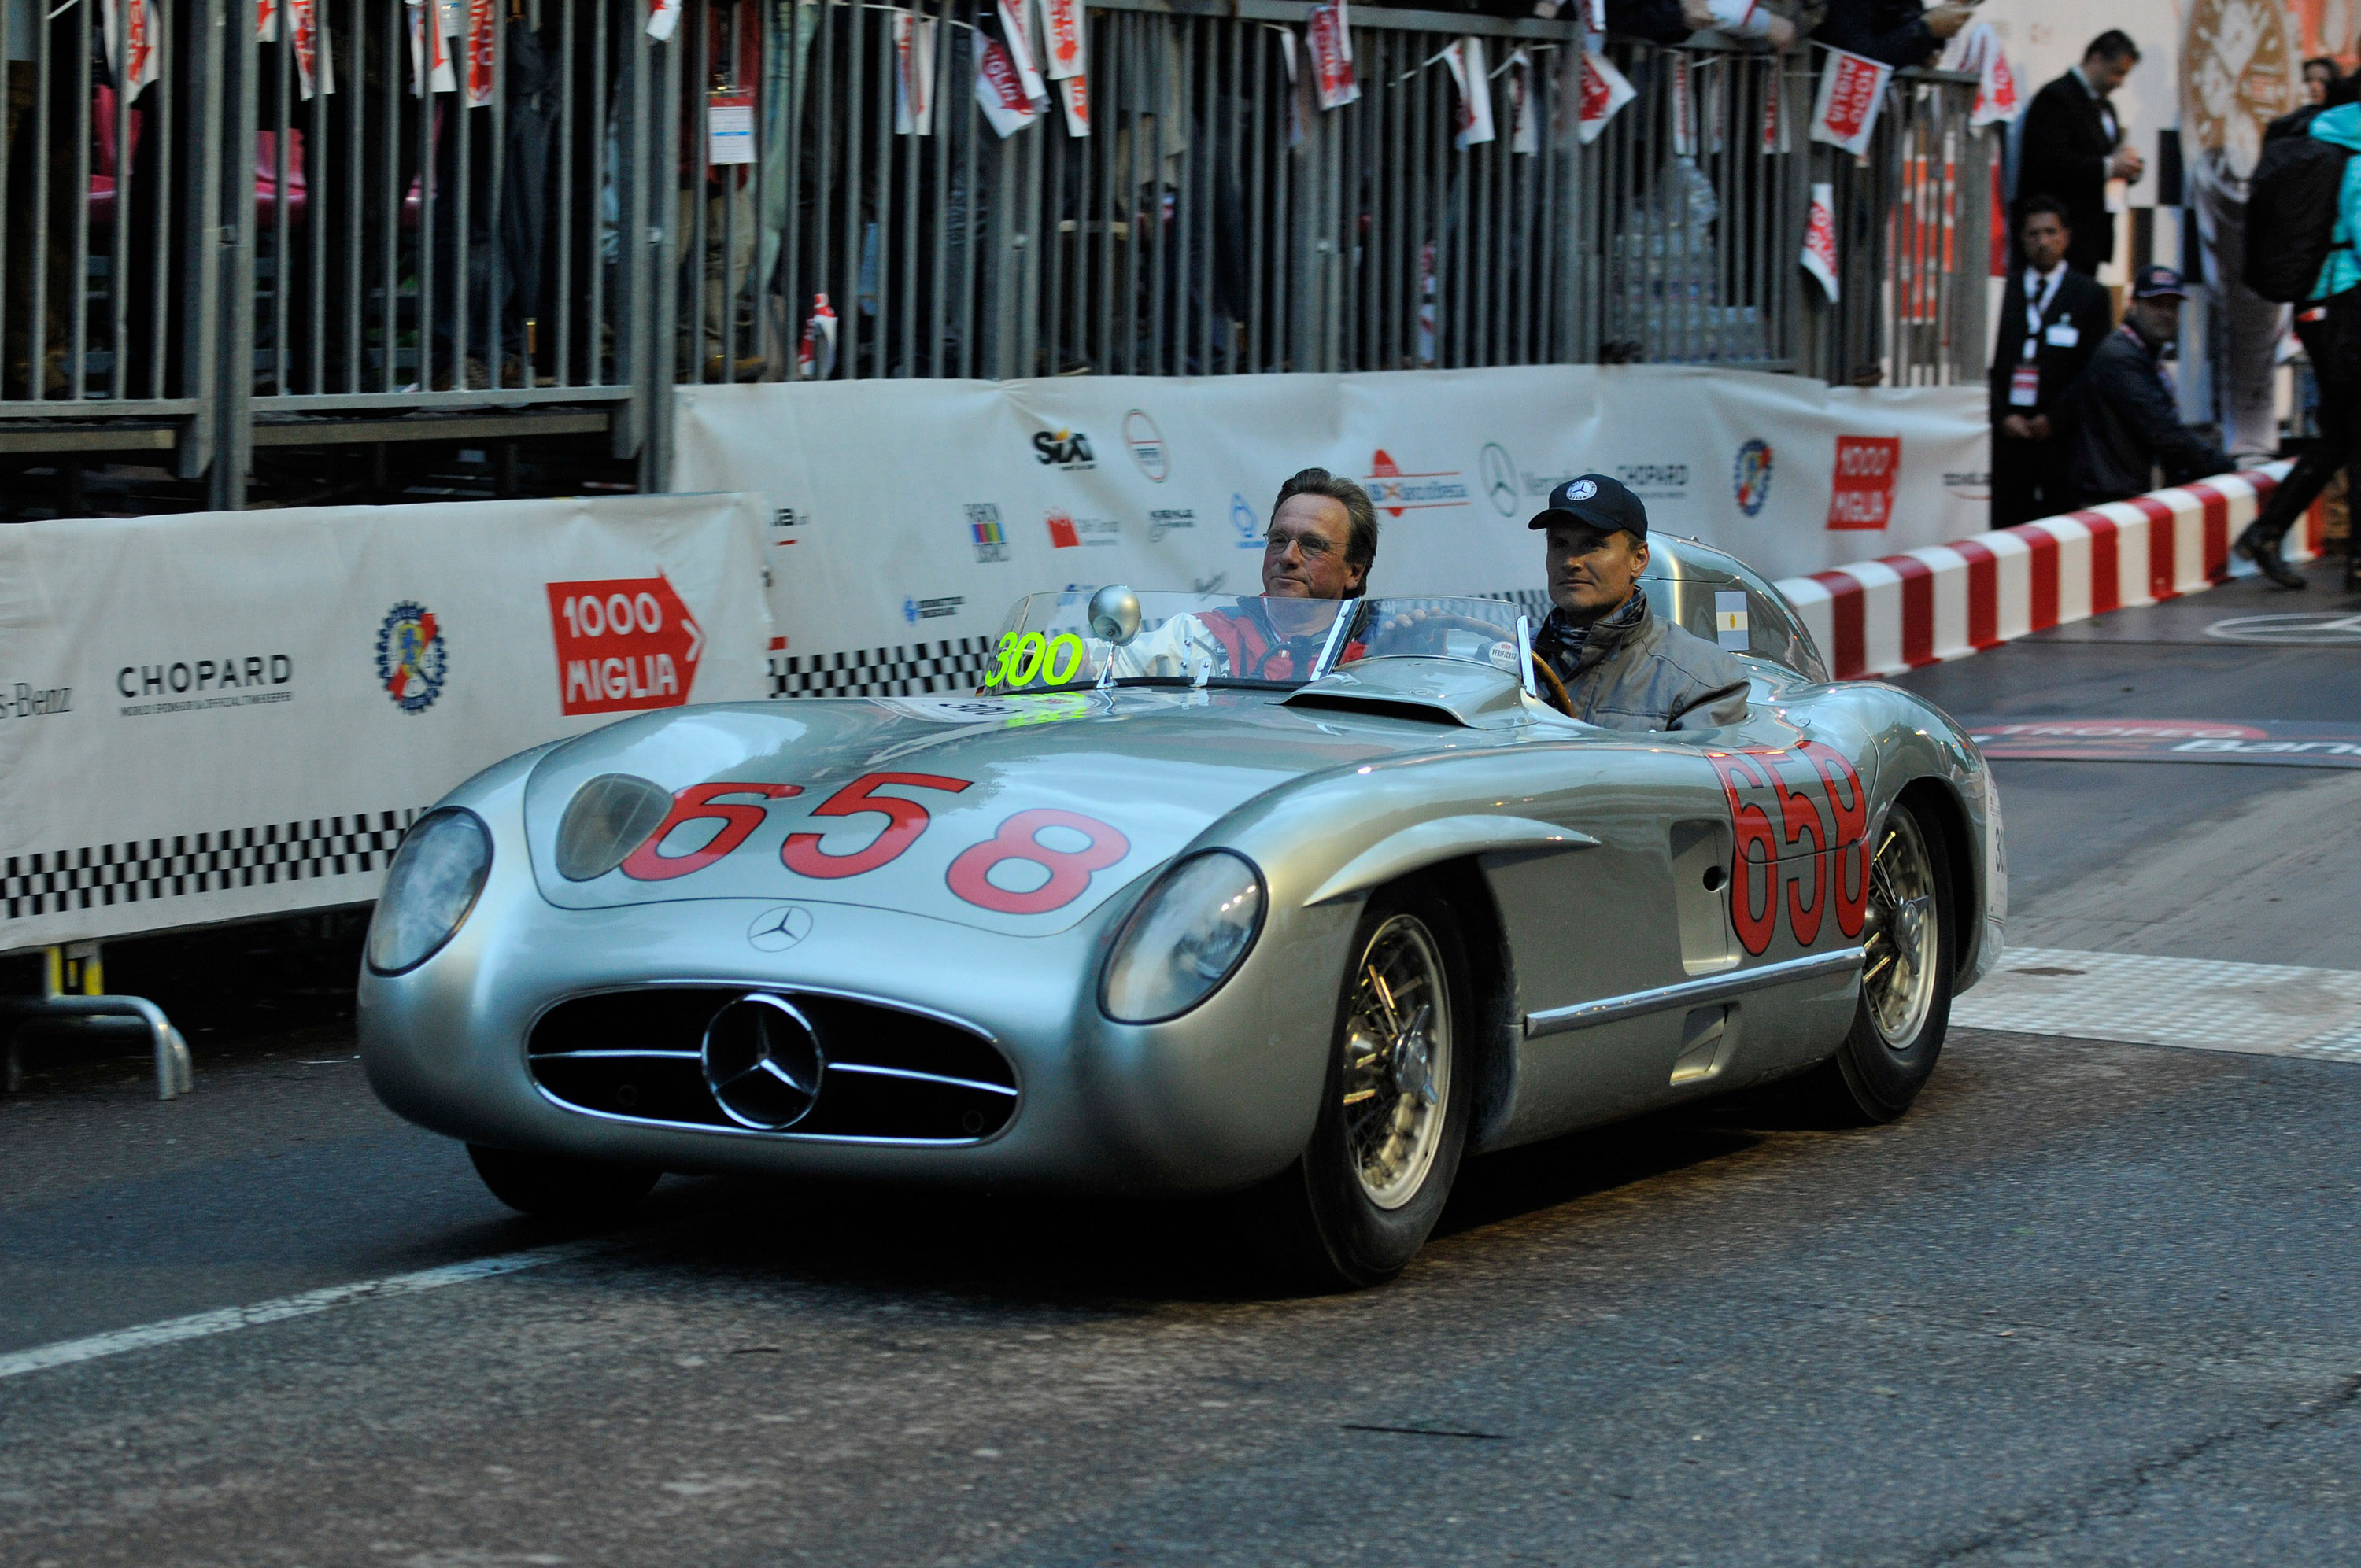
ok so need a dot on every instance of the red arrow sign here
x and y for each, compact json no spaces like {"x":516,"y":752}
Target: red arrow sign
{"x":623,"y":644}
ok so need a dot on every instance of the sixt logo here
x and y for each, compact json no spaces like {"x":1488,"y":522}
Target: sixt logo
{"x":1066,"y":449}
{"x":412,"y":657}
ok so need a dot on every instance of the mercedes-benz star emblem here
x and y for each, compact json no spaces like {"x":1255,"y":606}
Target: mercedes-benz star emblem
{"x":1500,"y":478}
{"x":763,"y":1062}
{"x":780,"y":927}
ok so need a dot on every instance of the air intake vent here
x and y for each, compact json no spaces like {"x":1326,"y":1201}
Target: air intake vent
{"x":887,"y":1075}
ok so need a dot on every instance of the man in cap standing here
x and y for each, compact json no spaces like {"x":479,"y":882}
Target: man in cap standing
{"x":2125,"y":423}
{"x":1622,"y":666}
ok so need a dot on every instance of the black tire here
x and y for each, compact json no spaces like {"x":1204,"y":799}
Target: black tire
{"x":1889,"y":1053}
{"x":1318,"y":1223}
{"x":552,"y":1187}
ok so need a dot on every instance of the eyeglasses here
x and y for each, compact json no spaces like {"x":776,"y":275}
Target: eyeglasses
{"x":1314,"y":546}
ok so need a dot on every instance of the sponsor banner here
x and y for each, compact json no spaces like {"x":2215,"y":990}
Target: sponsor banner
{"x":1605,"y":91}
{"x":219,"y":716}
{"x":1001,"y":93}
{"x":2266,"y":741}
{"x":483,"y":46}
{"x":1468,"y":74}
{"x":1820,"y":257}
{"x":132,"y":29}
{"x":1022,"y":486}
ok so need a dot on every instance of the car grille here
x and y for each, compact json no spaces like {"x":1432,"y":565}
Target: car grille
{"x":891,"y":1076}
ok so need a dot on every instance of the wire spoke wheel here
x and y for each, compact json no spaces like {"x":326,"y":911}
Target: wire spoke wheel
{"x":1396,"y":1082}
{"x":1898,"y":975}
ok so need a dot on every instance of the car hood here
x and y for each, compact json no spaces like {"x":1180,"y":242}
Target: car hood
{"x":1103,"y":786}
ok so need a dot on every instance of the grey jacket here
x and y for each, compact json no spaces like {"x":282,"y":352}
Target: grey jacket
{"x":1637,"y":672}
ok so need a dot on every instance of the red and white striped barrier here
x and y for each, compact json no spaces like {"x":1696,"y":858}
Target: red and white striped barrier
{"x":1946,"y":601}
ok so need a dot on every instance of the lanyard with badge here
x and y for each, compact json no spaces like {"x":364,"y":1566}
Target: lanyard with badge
{"x":2025,"y":382}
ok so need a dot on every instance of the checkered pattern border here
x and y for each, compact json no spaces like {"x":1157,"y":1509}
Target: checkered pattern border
{"x":913,"y":669}
{"x":145,"y":871}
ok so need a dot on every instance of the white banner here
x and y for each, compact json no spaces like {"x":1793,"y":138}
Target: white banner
{"x":216,"y":715}
{"x":915,"y":512}
{"x":1852,"y":89}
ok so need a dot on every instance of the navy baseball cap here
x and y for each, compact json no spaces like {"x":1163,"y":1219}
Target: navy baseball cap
{"x":1604,"y":504}
{"x":2157,"y":283}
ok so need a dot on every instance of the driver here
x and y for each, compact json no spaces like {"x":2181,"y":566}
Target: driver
{"x":1622,"y":666}
{"x":1322,"y":542}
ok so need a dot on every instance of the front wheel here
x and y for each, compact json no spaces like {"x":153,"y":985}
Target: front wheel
{"x":1369,"y":1187}
{"x":552,"y":1187}
{"x":1905,"y":980}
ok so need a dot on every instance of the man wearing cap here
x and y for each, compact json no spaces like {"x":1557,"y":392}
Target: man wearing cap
{"x":1623,"y":667}
{"x":2125,"y":423}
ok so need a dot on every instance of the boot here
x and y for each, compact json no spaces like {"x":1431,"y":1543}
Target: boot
{"x":2263,"y":550}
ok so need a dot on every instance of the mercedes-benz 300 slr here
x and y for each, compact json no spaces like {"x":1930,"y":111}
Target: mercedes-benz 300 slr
{"x":1305,"y":901}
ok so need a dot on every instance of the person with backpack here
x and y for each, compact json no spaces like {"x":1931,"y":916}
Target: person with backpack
{"x":2303,"y":206}
{"x":2125,"y":423}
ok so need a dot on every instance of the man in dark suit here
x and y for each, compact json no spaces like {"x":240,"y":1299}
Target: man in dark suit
{"x":2052,"y":319}
{"x":2071,"y":145}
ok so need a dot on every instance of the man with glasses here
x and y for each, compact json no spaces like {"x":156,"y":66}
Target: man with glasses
{"x":1322,"y":542}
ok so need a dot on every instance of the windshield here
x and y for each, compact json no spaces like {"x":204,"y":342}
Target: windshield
{"x":1047,"y":644}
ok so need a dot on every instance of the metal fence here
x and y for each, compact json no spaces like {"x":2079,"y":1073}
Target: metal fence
{"x":281,"y":239}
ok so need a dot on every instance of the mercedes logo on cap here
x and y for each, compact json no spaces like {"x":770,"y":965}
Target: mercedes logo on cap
{"x":780,"y":927}
{"x":1581,"y":491}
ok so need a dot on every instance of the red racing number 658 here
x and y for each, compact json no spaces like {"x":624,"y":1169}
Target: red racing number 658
{"x":905,"y":820}
{"x":1020,"y":840}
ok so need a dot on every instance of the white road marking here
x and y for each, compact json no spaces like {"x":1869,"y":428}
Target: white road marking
{"x":225,"y":1319}
{"x":2208,"y":1003}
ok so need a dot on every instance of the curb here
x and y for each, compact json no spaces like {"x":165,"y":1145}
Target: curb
{"x":1946,"y":601}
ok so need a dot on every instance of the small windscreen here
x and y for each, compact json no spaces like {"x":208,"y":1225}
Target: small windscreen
{"x":1047,"y":643}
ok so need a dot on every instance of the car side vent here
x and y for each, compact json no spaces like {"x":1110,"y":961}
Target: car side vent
{"x":890,"y":1076}
{"x":1379,"y":708}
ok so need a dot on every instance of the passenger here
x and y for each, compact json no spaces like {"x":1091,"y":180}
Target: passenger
{"x":1623,"y":667}
{"x":1321,"y":541}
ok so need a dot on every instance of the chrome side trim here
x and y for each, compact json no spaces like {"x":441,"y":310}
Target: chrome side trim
{"x":596,"y":1055}
{"x":1692,"y":992}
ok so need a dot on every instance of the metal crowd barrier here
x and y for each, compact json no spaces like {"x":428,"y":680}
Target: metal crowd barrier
{"x":280,"y":239}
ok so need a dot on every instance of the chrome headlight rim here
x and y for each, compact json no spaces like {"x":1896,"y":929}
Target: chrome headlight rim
{"x":479,"y":879}
{"x":1149,"y":905}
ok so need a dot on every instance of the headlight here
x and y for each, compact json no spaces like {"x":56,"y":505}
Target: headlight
{"x":1185,"y":938}
{"x":433,"y":882}
{"x":606,"y":820}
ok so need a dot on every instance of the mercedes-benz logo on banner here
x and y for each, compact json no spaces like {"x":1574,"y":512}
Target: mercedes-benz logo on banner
{"x":1499,"y":471}
{"x":776,"y":929}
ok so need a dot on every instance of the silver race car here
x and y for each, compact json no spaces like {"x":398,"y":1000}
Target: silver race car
{"x":1302,"y":900}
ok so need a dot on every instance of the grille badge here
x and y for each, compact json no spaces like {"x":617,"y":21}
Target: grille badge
{"x":763,"y":1063}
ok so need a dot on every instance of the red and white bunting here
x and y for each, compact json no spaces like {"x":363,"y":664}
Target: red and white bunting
{"x":307,"y":31}
{"x":1074,"y":92}
{"x":913,"y":75}
{"x":1465,"y":59}
{"x":1605,"y":91}
{"x":1066,"y":38}
{"x":664,"y":15}
{"x":266,"y":21}
{"x":1333,"y":82}
{"x":430,"y":52}
{"x":1819,"y":257}
{"x":1775,"y":129}
{"x":1684,"y":108}
{"x":132,"y":29}
{"x":483,"y":51}
{"x":1852,"y":89}
{"x":1024,"y":51}
{"x":1525,"y":120}
{"x":999,"y":92}
{"x":1979,"y":55}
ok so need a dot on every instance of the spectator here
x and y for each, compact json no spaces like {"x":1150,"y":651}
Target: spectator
{"x":2329,"y":325}
{"x":1672,"y":21}
{"x":2052,"y":320}
{"x":2073,"y":145}
{"x":2125,"y":423}
{"x":1897,"y":32}
{"x":2320,"y":73}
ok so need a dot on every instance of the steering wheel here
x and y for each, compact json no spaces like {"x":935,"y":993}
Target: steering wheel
{"x":1556,"y":697}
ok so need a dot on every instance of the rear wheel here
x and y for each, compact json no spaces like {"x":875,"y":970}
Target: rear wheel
{"x":1906,"y":980}
{"x":552,"y":1187}
{"x":1393,"y":1112}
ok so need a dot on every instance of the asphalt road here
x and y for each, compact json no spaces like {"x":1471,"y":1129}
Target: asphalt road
{"x":2088,"y":1303}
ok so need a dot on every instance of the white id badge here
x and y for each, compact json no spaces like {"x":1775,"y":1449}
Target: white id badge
{"x":2024,"y":386}
{"x":2062,"y":334}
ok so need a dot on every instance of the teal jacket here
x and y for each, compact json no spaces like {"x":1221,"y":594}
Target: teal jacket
{"x":2342,"y":126}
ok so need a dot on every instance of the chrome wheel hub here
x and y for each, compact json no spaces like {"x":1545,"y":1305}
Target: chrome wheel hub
{"x":1898,"y":976}
{"x":1397,"y":1077}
